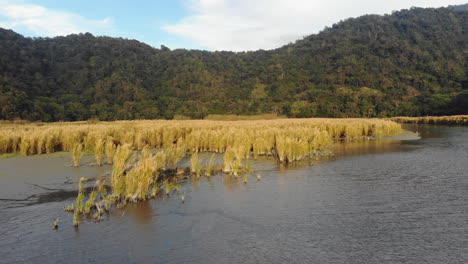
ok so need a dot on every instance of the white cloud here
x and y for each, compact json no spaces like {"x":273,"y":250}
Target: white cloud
{"x":42,"y":21}
{"x":240,"y":25}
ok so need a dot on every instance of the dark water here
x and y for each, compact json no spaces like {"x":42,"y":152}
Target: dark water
{"x":375,"y":202}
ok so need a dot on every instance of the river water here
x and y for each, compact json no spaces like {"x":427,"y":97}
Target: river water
{"x":385,"y":201}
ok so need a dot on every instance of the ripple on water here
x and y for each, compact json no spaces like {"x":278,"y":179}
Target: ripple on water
{"x":376,"y":202}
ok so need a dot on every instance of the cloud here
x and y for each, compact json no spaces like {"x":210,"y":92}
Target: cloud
{"x":241,"y":25}
{"x":42,"y":21}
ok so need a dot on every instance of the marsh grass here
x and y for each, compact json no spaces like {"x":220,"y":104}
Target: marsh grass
{"x":24,"y":145}
{"x":173,"y":155}
{"x":195,"y":166}
{"x":91,"y":205}
{"x":90,"y":202}
{"x":170,"y":185}
{"x":81,"y":196}
{"x":244,"y":117}
{"x":99,"y":151}
{"x":121,"y":163}
{"x":458,"y":120}
{"x":110,"y":149}
{"x":139,"y":180}
{"x":77,"y":152}
{"x":210,"y":166}
{"x":76,"y":219}
{"x":139,"y":174}
{"x":258,"y":137}
{"x":229,"y":160}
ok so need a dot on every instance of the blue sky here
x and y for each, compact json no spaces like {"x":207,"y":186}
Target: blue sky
{"x":136,"y":19}
{"x":236,"y":25}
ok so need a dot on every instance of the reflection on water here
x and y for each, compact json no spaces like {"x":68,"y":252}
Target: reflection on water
{"x":141,"y":212}
{"x":378,"y":201}
{"x":377,"y":146}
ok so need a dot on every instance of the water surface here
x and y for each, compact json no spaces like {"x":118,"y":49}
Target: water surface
{"x":382,"y":201}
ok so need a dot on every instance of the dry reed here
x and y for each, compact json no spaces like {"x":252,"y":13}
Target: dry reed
{"x":458,"y":120}
{"x":136,"y":171}
{"x":76,"y":154}
{"x":258,"y":137}
{"x":209,"y":166}
{"x":99,"y":151}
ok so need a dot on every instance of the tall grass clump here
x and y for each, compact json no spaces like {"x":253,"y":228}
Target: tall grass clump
{"x":110,"y":149}
{"x":228,"y":161}
{"x":299,"y":137}
{"x":210,"y":165}
{"x":77,"y":152}
{"x":99,"y":151}
{"x":141,"y":177}
{"x":121,"y":157}
{"x":24,"y":145}
{"x":173,"y":156}
{"x":194,"y":165}
{"x":81,"y":196}
{"x":90,"y":202}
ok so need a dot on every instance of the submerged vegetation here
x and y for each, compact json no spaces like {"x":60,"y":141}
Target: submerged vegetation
{"x":458,"y":120}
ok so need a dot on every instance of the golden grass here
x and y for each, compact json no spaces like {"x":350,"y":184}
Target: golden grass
{"x":80,"y":198}
{"x":458,"y":120}
{"x":76,"y":154}
{"x":139,"y":180}
{"x":76,"y":219}
{"x":244,"y":117}
{"x":136,"y":170}
{"x":195,"y":167}
{"x":110,"y":149}
{"x":99,"y":151}
{"x":287,"y":139}
{"x":121,"y":163}
{"x":209,"y":166}
{"x":90,"y":202}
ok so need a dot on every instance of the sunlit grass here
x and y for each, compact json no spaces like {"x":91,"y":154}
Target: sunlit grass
{"x":459,"y":120}
{"x":210,"y":165}
{"x":195,"y":166}
{"x":99,"y":151}
{"x":291,"y":139}
{"x":145,"y":154}
{"x":77,"y":153}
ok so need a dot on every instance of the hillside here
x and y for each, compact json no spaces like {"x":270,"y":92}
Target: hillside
{"x":412,"y":62}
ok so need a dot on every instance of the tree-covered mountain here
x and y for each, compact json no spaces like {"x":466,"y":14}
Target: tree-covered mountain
{"x":412,"y":62}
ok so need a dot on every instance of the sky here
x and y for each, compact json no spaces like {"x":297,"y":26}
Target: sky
{"x":235,"y":25}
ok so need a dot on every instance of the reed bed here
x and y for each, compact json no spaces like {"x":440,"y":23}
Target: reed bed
{"x":286,"y":139}
{"x":458,"y":120}
{"x":145,"y":154}
{"x":244,"y":117}
{"x":136,"y":174}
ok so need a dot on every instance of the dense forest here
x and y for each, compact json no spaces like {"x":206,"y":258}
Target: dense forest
{"x":411,"y":62}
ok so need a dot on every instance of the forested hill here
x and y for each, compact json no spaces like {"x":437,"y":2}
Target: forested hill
{"x":412,"y":62}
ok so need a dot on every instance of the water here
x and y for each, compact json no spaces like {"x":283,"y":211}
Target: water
{"x":374,"y":202}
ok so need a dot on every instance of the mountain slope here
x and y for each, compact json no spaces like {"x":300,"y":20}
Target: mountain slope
{"x":412,"y":62}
